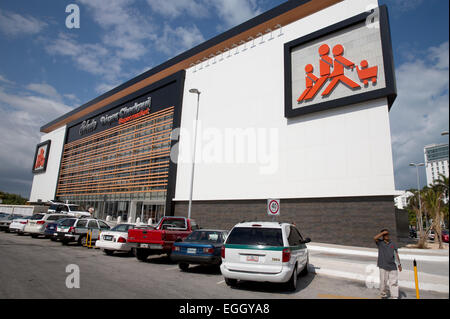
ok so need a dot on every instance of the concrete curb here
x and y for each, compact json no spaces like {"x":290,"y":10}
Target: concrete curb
{"x":375,"y":281}
{"x":402,"y":254}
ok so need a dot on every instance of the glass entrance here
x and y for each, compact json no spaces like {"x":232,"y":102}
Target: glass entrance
{"x":145,"y":211}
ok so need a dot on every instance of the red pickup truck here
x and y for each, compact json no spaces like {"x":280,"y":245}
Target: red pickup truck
{"x":159,"y":240}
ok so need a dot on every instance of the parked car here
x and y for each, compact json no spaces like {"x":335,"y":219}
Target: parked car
{"x":445,"y":236}
{"x":3,"y":215}
{"x":70,"y":209}
{"x":115,"y":239}
{"x":36,"y":226}
{"x":265,"y":252}
{"x":159,"y":240}
{"x":431,"y":235}
{"x":201,"y":247}
{"x":51,"y":227}
{"x":76,"y":230}
{"x":18,"y":225}
{"x":6,"y":221}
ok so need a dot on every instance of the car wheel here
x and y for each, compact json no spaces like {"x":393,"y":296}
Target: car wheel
{"x":304,"y":271}
{"x":19,"y":233}
{"x":64,"y":242}
{"x":34,"y":236}
{"x":109,"y":252}
{"x":82,"y":241}
{"x":231,"y":282}
{"x":141,"y":254}
{"x":52,"y":238}
{"x":292,"y":283}
{"x":7,"y":231}
{"x":183,"y":266}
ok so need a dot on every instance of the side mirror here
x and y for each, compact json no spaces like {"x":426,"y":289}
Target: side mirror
{"x":307,"y":240}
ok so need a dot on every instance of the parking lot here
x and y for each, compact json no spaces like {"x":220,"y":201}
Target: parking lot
{"x":36,"y":268}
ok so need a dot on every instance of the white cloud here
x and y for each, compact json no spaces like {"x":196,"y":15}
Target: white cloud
{"x":5,"y":80}
{"x":175,"y":8}
{"x":234,"y":12}
{"x":13,"y":24}
{"x":21,"y":115}
{"x":45,"y":89}
{"x":421,"y":111}
{"x":176,"y":40}
{"x":406,"y":5}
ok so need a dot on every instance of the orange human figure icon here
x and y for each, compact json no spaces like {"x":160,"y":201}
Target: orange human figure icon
{"x":40,"y":159}
{"x":310,"y":80}
{"x":325,"y":64}
{"x":338,"y":71}
{"x":325,"y":61}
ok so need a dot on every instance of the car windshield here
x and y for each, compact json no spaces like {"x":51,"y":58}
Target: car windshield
{"x":445,"y":232}
{"x":68,"y":222}
{"x":122,"y":228}
{"x":255,"y":236}
{"x":205,"y":236}
{"x":16,"y":217}
{"x":37,"y":217}
{"x":75,"y":208}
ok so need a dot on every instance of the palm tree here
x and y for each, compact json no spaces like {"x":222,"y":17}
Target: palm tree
{"x":442,"y":184}
{"x":433,"y":204}
{"x":414,"y":203}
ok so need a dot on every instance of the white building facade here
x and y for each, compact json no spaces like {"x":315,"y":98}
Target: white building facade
{"x":436,"y":161}
{"x":280,"y":116}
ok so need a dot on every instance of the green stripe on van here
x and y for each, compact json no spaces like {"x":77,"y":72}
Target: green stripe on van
{"x":256,"y":247}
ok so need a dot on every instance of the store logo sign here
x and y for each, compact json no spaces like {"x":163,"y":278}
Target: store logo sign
{"x":41,"y":157}
{"x":125,"y":115}
{"x":332,"y":71}
{"x":128,"y":113}
{"x":88,"y":127}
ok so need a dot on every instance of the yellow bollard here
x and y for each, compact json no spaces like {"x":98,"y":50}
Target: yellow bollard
{"x":416,"y":280}
{"x":87,"y":239}
{"x":90,"y":240}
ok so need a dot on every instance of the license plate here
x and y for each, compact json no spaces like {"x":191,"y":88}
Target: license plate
{"x":144,"y":245}
{"x":191,"y":251}
{"x":107,"y":238}
{"x":253,"y":258}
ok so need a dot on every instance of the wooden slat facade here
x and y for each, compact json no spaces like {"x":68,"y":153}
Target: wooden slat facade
{"x":127,"y":159}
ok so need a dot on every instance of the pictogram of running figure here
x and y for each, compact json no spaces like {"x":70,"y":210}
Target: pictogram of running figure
{"x":313,"y":83}
{"x":338,"y":71}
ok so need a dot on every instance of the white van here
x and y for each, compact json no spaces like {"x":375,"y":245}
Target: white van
{"x":266,"y":252}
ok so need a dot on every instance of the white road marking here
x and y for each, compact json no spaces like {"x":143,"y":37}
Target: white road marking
{"x":221,"y":282}
{"x":172,"y":268}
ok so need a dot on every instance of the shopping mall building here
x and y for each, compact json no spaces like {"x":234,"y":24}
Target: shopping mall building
{"x":293,"y":105}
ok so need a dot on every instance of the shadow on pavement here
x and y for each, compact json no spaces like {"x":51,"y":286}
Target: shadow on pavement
{"x":203,"y":269}
{"x":160,"y":260}
{"x":267,"y":287}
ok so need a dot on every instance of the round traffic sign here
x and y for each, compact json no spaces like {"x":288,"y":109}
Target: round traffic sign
{"x":274,"y":207}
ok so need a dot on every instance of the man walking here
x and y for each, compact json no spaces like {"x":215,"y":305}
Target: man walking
{"x":387,"y":252}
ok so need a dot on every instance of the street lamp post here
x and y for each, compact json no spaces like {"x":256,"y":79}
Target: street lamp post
{"x":418,"y":194}
{"x":194,"y":91}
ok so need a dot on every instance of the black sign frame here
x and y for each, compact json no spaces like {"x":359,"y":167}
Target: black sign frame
{"x":390,"y":91}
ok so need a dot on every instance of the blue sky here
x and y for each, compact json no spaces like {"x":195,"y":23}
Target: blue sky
{"x":47,"y":69}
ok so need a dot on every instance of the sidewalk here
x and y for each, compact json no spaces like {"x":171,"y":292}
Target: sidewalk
{"x":359,"y":263}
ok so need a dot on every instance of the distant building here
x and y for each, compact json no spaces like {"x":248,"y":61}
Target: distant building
{"x":436,"y":161}
{"x":401,"y":201}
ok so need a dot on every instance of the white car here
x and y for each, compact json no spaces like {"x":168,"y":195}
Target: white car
{"x":37,"y":223}
{"x":115,"y":239}
{"x":264,"y":252}
{"x":18,"y":225}
{"x":69,"y":209}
